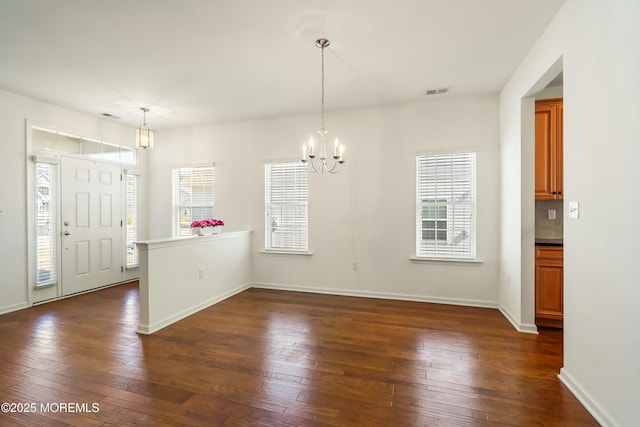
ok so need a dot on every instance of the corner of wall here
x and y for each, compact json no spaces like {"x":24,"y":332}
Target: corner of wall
{"x":520,"y":327}
{"x":601,"y":416}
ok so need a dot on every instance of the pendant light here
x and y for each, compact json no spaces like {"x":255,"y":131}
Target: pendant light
{"x":144,"y":135}
{"x":309,"y":157}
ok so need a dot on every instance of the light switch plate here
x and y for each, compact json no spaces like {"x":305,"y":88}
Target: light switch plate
{"x":574,"y":210}
{"x":551,"y":214}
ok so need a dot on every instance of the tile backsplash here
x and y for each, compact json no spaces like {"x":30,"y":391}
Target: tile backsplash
{"x":548,"y":228}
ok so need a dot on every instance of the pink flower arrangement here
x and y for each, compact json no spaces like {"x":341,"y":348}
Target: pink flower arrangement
{"x":210,"y":222}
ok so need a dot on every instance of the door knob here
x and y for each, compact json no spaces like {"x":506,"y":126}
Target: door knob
{"x":67,"y":233}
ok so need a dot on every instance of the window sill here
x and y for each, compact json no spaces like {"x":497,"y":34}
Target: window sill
{"x":436,"y":260}
{"x":281,"y":252}
{"x":46,"y":285}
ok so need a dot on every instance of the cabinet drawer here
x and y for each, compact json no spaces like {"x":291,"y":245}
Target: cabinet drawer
{"x":549,"y":252}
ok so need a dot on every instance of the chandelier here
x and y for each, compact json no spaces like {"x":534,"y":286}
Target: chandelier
{"x":309,"y":157}
{"x":144,"y":135}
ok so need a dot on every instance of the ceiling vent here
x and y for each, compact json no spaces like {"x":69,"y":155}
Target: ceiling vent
{"x":436,"y":91}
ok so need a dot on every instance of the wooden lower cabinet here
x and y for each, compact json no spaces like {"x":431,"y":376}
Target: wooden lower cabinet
{"x":549,"y":286}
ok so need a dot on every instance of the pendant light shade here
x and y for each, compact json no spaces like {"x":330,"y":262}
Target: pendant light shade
{"x":144,"y":135}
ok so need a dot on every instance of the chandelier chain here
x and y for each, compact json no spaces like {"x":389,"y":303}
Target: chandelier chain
{"x":322,"y":96}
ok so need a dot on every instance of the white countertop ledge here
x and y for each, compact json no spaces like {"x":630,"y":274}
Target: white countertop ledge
{"x":187,"y":240}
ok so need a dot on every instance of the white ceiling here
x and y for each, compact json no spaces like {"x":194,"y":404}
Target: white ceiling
{"x":197,"y":62}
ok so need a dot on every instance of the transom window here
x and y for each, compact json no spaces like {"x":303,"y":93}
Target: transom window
{"x":56,"y":142}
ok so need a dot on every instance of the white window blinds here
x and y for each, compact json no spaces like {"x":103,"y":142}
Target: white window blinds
{"x":445,"y":205}
{"x":192,"y":197}
{"x":46,"y":224}
{"x":286,"y":204}
{"x":131,"y":231}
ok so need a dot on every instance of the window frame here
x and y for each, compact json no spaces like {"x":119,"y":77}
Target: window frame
{"x":177,"y":207}
{"x":63,"y":143}
{"x":130,"y":239}
{"x":53,"y":206}
{"x":300,"y":202}
{"x":454,"y":190}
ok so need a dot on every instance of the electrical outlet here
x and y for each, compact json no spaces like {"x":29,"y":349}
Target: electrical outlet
{"x":201,"y":273}
{"x":551,"y":214}
{"x":3,"y":212}
{"x":355,"y":265}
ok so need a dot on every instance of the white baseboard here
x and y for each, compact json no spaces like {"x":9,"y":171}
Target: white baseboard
{"x":155,"y":327}
{"x":14,"y":307}
{"x":523,"y":328}
{"x":587,"y":401}
{"x":520,"y":327}
{"x":380,"y":295}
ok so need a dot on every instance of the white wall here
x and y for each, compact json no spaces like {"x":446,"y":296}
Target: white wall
{"x":179,"y":277}
{"x":550,"y":93}
{"x":14,"y":111}
{"x":365,"y":214}
{"x":598,"y":45}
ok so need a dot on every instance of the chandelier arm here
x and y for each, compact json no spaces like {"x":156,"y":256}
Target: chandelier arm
{"x":313,"y":166}
{"x":336,"y":167}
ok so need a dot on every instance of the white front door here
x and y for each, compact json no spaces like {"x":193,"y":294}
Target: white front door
{"x":91,"y":224}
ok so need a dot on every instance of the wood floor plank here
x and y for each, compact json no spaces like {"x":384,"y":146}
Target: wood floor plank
{"x":276,"y":358}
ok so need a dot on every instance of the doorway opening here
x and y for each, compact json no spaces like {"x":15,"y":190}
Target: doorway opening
{"x":549,"y":205}
{"x":80,"y":215}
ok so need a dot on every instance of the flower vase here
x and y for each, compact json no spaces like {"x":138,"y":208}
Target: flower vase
{"x":202,"y":231}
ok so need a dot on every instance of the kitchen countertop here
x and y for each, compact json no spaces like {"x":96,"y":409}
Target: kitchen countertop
{"x":548,"y":242}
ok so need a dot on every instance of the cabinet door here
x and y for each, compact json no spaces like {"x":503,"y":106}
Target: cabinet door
{"x":546,"y":131}
{"x":549,"y":293}
{"x":558,"y":151}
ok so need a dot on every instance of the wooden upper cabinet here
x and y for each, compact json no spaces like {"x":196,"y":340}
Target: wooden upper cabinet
{"x":560,"y":152}
{"x":549,"y":160}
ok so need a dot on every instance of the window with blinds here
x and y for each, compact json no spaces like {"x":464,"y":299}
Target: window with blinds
{"x":286,"y":205}
{"x":192,"y":197}
{"x":446,"y":205}
{"x":46,"y":224}
{"x":131,"y":210}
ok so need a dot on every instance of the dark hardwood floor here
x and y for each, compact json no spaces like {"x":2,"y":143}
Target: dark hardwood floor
{"x":275,"y":358}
